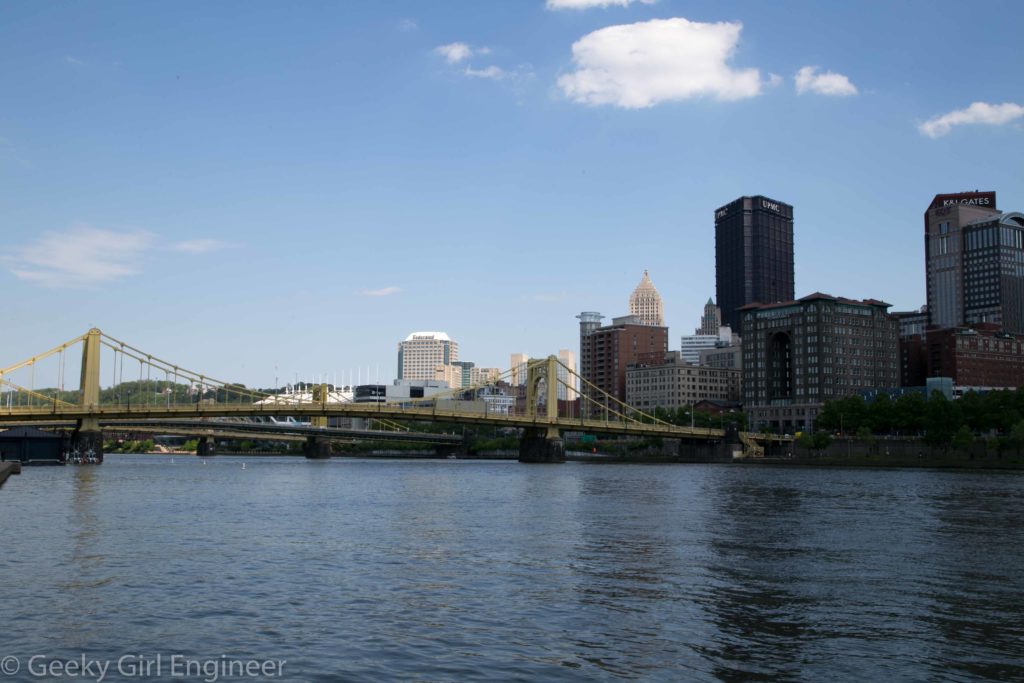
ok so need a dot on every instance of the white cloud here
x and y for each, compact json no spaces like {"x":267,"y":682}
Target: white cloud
{"x":587,"y":4}
{"x":199,"y":246}
{"x":492,"y":72}
{"x":454,"y":52}
{"x":82,"y":256}
{"x":662,"y":60}
{"x":73,"y":61}
{"x":407,"y":25}
{"x":977,"y":113}
{"x":828,"y":83}
{"x":774,"y":80}
{"x":383,"y":291}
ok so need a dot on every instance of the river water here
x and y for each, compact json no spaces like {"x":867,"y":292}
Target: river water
{"x":466,"y":570}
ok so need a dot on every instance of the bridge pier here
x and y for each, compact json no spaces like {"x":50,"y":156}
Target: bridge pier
{"x":691,"y":450}
{"x":449,"y":450}
{"x":205,"y":448}
{"x":85,"y":446}
{"x":541,"y":446}
{"x":317,"y":448}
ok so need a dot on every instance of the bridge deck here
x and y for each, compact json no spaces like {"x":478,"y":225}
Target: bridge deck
{"x":366,"y":410}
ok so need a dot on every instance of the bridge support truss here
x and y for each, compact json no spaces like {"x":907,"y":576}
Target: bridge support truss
{"x":542,"y":444}
{"x":87,"y":439}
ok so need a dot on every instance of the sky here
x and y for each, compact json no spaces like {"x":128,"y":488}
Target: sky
{"x":261,"y":190}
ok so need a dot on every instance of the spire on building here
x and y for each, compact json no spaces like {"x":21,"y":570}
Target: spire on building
{"x":645,"y":303}
{"x":711,"y":320}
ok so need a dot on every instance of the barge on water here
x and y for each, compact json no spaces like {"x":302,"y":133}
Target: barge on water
{"x":30,"y":446}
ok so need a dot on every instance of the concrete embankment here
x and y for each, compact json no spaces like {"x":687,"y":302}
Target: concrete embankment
{"x":7,"y":469}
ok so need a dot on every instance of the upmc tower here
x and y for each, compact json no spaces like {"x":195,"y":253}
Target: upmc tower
{"x":753,"y":255}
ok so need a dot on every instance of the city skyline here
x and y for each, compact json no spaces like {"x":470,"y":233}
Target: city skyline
{"x":323,"y":189}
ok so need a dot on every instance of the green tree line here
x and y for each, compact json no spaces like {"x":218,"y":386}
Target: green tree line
{"x":937,"y":419}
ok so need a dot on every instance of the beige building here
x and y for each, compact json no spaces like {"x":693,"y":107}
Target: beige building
{"x":517,"y":363}
{"x":645,"y":303}
{"x":421,"y":354}
{"x":478,"y":376}
{"x":673,"y":382}
{"x":570,"y":392}
{"x":449,"y":374}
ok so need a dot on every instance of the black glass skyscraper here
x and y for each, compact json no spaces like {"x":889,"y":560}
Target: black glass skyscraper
{"x":753,"y":255}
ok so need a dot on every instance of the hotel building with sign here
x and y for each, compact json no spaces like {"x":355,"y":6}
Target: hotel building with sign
{"x":974,"y":256}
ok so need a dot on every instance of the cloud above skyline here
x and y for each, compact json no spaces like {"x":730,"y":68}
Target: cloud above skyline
{"x":809,"y":79}
{"x":82,"y":256}
{"x":587,"y":4}
{"x":199,"y":246}
{"x":454,"y":53}
{"x":383,"y":291}
{"x":978,"y":113}
{"x":492,"y":72}
{"x":639,"y":65}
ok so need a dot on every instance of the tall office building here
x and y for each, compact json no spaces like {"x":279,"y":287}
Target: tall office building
{"x":424,"y":354}
{"x":753,"y":255}
{"x":974,"y":256}
{"x":645,"y":303}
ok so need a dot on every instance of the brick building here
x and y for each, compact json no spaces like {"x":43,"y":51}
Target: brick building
{"x":980,"y":357}
{"x":606,"y":352}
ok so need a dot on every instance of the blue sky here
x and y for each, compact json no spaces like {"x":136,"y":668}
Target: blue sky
{"x":246,"y":186}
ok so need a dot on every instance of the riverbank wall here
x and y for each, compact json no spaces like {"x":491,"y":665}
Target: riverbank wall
{"x":894,"y":452}
{"x":7,"y":469}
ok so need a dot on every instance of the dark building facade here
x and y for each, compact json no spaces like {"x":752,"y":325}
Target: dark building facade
{"x":753,"y":255}
{"x":974,"y":257}
{"x":606,"y":351}
{"x":978,"y":357}
{"x":799,"y":354}
{"x":912,"y":322}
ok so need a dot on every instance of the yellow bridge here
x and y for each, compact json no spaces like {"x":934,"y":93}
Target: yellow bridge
{"x":165,"y":391}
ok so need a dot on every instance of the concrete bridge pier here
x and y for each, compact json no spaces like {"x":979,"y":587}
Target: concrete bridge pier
{"x":692,"y":450}
{"x":541,"y":446}
{"x":205,"y":448}
{"x":448,"y":450}
{"x":317,"y":448}
{"x":86,"y":445}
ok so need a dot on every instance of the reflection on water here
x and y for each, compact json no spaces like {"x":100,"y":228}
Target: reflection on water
{"x":355,"y":570}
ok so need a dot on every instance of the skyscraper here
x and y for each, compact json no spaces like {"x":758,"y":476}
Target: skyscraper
{"x":711,"y":320}
{"x":645,"y":303}
{"x":423,"y":354}
{"x":753,"y":254}
{"x":974,"y":256}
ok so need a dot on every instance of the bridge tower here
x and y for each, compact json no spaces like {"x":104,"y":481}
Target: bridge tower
{"x":87,"y":438}
{"x":543,"y":442}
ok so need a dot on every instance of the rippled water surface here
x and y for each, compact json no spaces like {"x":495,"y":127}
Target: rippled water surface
{"x":464,"y":570}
